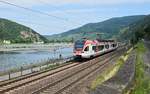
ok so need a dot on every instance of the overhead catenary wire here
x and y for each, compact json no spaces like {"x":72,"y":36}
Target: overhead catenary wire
{"x":66,"y":12}
{"x":32,"y":10}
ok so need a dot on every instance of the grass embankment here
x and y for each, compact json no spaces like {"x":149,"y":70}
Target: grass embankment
{"x":142,"y":81}
{"x":110,"y":71}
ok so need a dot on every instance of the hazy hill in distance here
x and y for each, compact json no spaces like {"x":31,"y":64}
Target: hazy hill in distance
{"x":137,"y":30}
{"x":17,"y":33}
{"x":110,"y":28}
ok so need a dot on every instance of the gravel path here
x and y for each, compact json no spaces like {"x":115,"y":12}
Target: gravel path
{"x":146,"y":57}
{"x":120,"y":81}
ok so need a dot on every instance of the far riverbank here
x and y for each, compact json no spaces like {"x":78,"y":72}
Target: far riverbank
{"x":21,"y":47}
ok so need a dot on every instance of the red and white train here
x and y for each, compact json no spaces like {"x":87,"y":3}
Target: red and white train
{"x":91,"y":48}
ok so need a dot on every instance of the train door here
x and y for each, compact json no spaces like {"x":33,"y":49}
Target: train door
{"x":111,"y":46}
{"x":101,"y":49}
{"x":91,"y":51}
{"x":106,"y":47}
{"x":94,"y":50}
{"x":86,"y":52}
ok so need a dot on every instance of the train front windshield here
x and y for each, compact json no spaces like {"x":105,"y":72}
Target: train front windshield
{"x":79,"y":45}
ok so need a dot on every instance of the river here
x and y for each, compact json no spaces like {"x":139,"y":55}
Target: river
{"x":16,"y":59}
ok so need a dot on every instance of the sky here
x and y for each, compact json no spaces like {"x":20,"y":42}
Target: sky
{"x":58,"y":16}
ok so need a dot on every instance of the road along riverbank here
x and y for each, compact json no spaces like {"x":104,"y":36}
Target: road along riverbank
{"x":20,"y":47}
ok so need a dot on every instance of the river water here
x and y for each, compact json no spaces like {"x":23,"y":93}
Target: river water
{"x":16,"y":59}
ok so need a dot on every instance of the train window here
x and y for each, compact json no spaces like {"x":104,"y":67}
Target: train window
{"x":87,"y":48}
{"x":114,"y":45}
{"x":94,"y":48}
{"x":101,"y":47}
{"x":79,"y":44}
{"x":107,"y":46}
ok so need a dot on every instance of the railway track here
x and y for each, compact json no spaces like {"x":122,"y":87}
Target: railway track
{"x":33,"y":83}
{"x":9,"y":85}
{"x":61,"y":85}
{"x":5,"y":82}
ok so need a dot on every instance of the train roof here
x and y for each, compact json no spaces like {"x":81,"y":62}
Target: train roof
{"x":100,"y":40}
